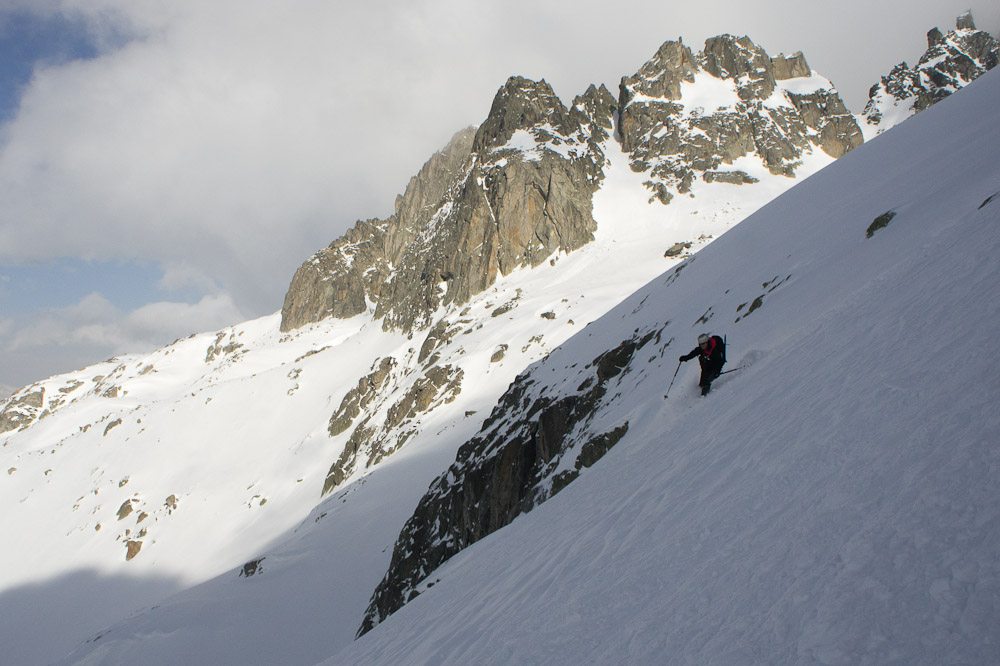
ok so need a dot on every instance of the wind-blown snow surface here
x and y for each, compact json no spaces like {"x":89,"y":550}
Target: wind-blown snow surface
{"x":219,"y":445}
{"x":834,"y":502}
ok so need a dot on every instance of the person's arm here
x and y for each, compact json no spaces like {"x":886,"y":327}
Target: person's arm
{"x":688,"y":357}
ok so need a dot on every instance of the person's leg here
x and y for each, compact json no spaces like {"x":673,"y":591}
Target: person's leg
{"x":707,"y":377}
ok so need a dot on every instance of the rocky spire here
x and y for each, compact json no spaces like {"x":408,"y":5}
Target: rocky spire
{"x":507,"y":195}
{"x":965,"y":21}
{"x":951,"y":62}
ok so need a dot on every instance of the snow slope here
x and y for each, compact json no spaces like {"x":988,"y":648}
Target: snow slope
{"x":833,"y":502}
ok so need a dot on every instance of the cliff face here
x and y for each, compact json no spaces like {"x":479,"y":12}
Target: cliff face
{"x":951,"y":62}
{"x":341,"y":279}
{"x":507,"y":195}
{"x":535,"y":442}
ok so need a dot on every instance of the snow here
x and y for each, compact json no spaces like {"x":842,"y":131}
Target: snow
{"x":832,"y":502}
{"x":709,"y":92}
{"x":806,"y":85}
{"x":531,"y":146}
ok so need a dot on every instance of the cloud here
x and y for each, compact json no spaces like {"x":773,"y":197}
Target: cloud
{"x":47,"y":342}
{"x":95,"y":322}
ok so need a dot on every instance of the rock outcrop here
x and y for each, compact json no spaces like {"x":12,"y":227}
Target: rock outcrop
{"x":505,"y":196}
{"x":389,"y":419}
{"x":532,"y":445}
{"x":951,"y":62}
{"x":676,"y":140}
{"x":22,"y":409}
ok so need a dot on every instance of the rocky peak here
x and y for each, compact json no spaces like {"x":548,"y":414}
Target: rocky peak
{"x":790,"y":67}
{"x":728,"y":57}
{"x":506,"y":195}
{"x":522,"y":104}
{"x":596,"y":109}
{"x":340,"y":280}
{"x":661,"y":77}
{"x":951,"y":62}
{"x":525,"y":194}
{"x":677,"y":142}
{"x":965,"y":22}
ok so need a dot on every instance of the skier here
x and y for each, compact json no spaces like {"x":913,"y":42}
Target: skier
{"x":711,"y":353}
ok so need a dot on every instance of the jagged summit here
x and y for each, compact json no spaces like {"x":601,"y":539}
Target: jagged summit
{"x":518,"y":189}
{"x":686,"y":116}
{"x":952,"y":61}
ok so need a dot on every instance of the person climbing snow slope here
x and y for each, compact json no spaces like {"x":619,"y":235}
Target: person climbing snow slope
{"x":711,"y":353}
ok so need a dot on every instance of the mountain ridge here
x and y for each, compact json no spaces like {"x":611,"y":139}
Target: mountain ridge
{"x":524,"y":190}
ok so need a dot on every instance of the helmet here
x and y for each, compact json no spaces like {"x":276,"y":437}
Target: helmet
{"x":703,"y":339}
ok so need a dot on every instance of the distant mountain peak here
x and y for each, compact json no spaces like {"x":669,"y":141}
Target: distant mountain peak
{"x":951,"y":62}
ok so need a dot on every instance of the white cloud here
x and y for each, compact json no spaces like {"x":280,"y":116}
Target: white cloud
{"x":95,"y":322}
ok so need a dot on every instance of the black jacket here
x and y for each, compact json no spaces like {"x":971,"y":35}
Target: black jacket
{"x":712,"y":362}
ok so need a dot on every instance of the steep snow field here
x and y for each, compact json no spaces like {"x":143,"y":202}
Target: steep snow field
{"x":833,"y":502}
{"x":211,"y":452}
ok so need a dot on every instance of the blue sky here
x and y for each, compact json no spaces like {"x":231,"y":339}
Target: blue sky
{"x":25,"y":39}
{"x":165,"y":167}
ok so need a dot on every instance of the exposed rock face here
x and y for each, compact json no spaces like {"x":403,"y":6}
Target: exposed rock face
{"x":339,"y":280}
{"x":505,"y":196}
{"x":519,"y":188}
{"x":22,"y":410}
{"x":527,"y":195}
{"x":357,"y":399}
{"x":388,"y":421}
{"x":532,"y":445}
{"x":677,"y":141}
{"x":951,"y":62}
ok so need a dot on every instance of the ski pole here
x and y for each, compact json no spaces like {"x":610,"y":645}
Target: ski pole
{"x":672,"y":380}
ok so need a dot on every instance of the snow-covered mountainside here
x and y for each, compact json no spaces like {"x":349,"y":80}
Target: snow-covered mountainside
{"x":951,"y":61}
{"x":832,"y":501}
{"x":266,"y":471}
{"x":145,"y":475}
